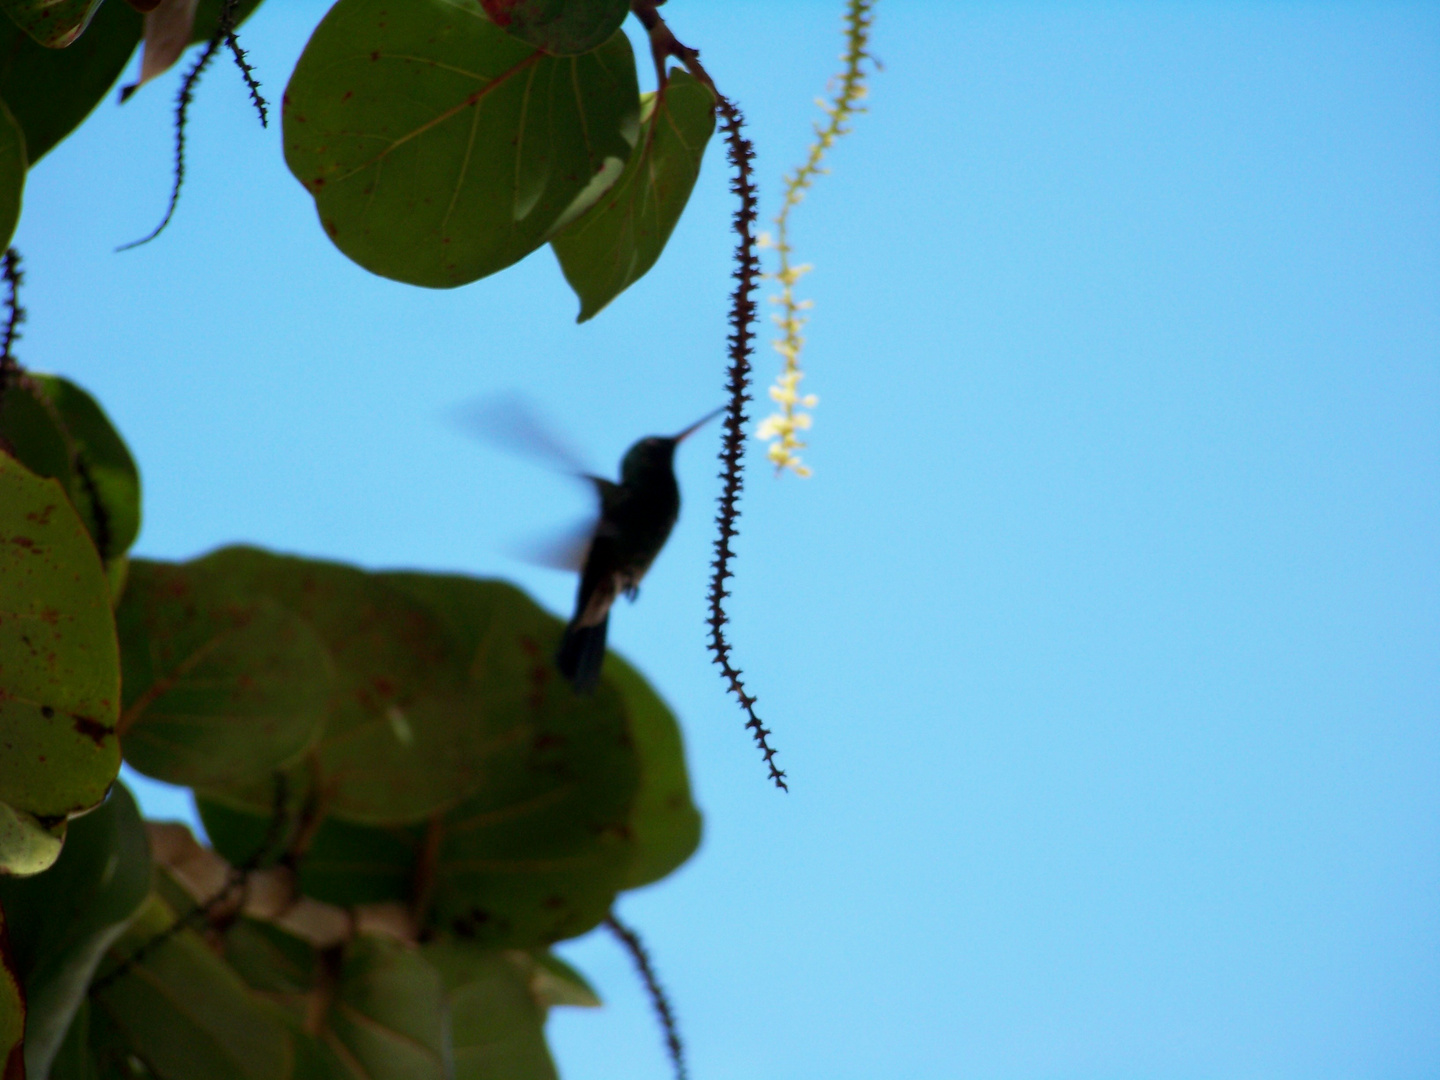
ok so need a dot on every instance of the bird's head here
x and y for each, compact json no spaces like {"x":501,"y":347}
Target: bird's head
{"x":656,"y":453}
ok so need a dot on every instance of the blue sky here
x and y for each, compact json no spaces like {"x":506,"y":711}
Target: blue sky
{"x":1101,"y":649}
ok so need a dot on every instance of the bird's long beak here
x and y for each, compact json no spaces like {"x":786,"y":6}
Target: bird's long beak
{"x":698,"y":424}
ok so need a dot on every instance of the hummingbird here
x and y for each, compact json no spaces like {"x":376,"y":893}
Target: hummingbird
{"x":636,"y":516}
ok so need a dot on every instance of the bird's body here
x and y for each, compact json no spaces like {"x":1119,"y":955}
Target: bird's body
{"x":636,"y":516}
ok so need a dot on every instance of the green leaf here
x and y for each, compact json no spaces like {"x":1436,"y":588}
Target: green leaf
{"x":536,"y":856}
{"x":404,"y":736}
{"x":664,"y":822}
{"x":12,"y":1008}
{"x":28,"y":846}
{"x":573,"y":797}
{"x":374,"y":1009}
{"x":440,"y":149}
{"x":619,"y":238}
{"x":31,"y":428}
{"x":13,"y":164}
{"x":183,"y":1011}
{"x":53,"y":23}
{"x":74,"y":1061}
{"x":63,"y":921}
{"x":50,"y":92}
{"x":56,"y":429}
{"x":554,"y":982}
{"x":277,"y":964}
{"x":497,"y":1025}
{"x":217,"y":690}
{"x":560,"y":27}
{"x":539,"y":851}
{"x":59,"y":664}
{"x":106,"y":484}
{"x":388,"y":1015}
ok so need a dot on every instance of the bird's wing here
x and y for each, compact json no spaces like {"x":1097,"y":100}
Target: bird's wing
{"x":564,"y":550}
{"x":511,"y":422}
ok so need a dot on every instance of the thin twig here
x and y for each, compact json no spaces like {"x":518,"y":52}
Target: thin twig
{"x":663,"y":1011}
{"x":15,"y":315}
{"x":741,"y":340}
{"x":248,"y":74}
{"x":224,"y":32}
{"x":732,"y":450}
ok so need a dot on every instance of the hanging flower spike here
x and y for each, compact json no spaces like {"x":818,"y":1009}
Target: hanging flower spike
{"x":779,"y":428}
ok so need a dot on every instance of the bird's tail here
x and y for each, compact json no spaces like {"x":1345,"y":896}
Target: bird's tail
{"x":582,"y":651}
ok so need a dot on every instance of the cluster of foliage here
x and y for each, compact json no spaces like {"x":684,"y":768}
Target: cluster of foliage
{"x":406,"y":805}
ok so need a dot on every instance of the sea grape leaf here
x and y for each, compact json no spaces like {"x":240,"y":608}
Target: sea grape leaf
{"x":27,"y":845}
{"x":217,"y":690}
{"x":64,"y":920}
{"x":440,"y":149}
{"x":538,"y":852}
{"x":536,"y":856}
{"x":575,"y":796}
{"x":59,"y":663}
{"x":73,"y":1059}
{"x":52,"y":23}
{"x":387,"y":1018}
{"x":105,"y":484}
{"x":560,"y":27}
{"x":56,"y":429}
{"x":272,"y":962}
{"x":51,"y":91}
{"x":33,"y":433}
{"x":664,"y":823}
{"x":182,"y":1010}
{"x":404,"y":736}
{"x":13,"y":164}
{"x":554,"y":982}
{"x":619,"y":238}
{"x":497,"y":1027}
{"x":663,"y":828}
{"x":12,"y":1007}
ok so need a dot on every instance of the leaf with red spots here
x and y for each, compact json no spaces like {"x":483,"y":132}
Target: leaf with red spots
{"x":52,"y":23}
{"x":51,"y":91}
{"x":59,"y":663}
{"x":577,"y":796}
{"x":217,"y":691}
{"x":56,"y":429}
{"x":399,"y":738}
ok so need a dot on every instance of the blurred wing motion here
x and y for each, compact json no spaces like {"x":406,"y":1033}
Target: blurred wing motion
{"x":559,"y":551}
{"x":510,"y":422}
